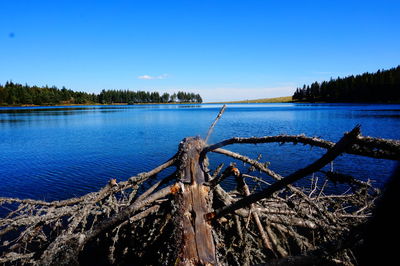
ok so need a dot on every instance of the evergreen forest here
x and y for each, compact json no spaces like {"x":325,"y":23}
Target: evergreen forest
{"x":18,"y":94}
{"x":381,"y":86}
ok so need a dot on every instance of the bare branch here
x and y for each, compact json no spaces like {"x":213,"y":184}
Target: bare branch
{"x":215,"y":122}
{"x":335,"y":151}
{"x":365,"y":146}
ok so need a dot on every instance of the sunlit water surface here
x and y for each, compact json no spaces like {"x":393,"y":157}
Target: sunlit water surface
{"x":53,"y":153}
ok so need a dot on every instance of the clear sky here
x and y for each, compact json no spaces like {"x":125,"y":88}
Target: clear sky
{"x":224,"y":50}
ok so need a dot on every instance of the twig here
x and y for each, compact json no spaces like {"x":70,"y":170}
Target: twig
{"x":254,"y":213}
{"x":215,"y":122}
{"x":127,"y":212}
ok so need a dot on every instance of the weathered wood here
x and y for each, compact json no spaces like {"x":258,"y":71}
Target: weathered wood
{"x":365,"y":146}
{"x":167,"y":224}
{"x":329,"y":156}
{"x":246,"y":191}
{"x":197,"y":244}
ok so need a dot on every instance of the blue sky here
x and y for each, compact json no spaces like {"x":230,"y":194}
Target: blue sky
{"x":224,"y":50}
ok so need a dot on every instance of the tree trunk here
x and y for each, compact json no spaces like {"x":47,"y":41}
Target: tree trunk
{"x":192,"y":230}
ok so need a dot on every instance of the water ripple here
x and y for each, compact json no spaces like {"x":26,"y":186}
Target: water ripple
{"x":57,"y":153}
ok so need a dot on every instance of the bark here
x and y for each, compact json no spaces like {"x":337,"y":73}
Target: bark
{"x":192,"y":230}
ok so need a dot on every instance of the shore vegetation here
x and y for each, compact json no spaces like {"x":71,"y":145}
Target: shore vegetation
{"x":17,"y":94}
{"x":382,"y":86}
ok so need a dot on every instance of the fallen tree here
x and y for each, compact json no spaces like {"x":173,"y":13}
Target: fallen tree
{"x":188,"y":218}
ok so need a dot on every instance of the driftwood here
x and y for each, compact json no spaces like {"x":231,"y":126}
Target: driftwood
{"x":188,"y":218}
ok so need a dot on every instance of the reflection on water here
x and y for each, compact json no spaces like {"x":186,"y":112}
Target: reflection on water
{"x":59,"y":152}
{"x":189,"y":106}
{"x":11,"y":120}
{"x":381,"y":115}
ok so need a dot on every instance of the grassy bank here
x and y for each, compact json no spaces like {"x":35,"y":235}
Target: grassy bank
{"x":285,"y":99}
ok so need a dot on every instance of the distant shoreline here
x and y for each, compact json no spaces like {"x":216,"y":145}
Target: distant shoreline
{"x":285,"y":99}
{"x":84,"y":104}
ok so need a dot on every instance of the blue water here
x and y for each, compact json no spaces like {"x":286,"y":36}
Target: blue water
{"x":54,"y":153}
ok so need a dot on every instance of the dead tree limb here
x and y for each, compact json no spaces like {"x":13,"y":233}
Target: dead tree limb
{"x":192,"y":230}
{"x":210,"y":130}
{"x":332,"y":153}
{"x":276,"y":176}
{"x":171,"y":222}
{"x":254,"y":213}
{"x":365,"y":146}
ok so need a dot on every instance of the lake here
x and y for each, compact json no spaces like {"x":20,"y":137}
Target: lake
{"x":54,"y":153}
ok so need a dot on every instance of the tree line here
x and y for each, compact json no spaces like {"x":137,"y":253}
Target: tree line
{"x":381,"y":86}
{"x":131,"y":97}
{"x":17,"y":94}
